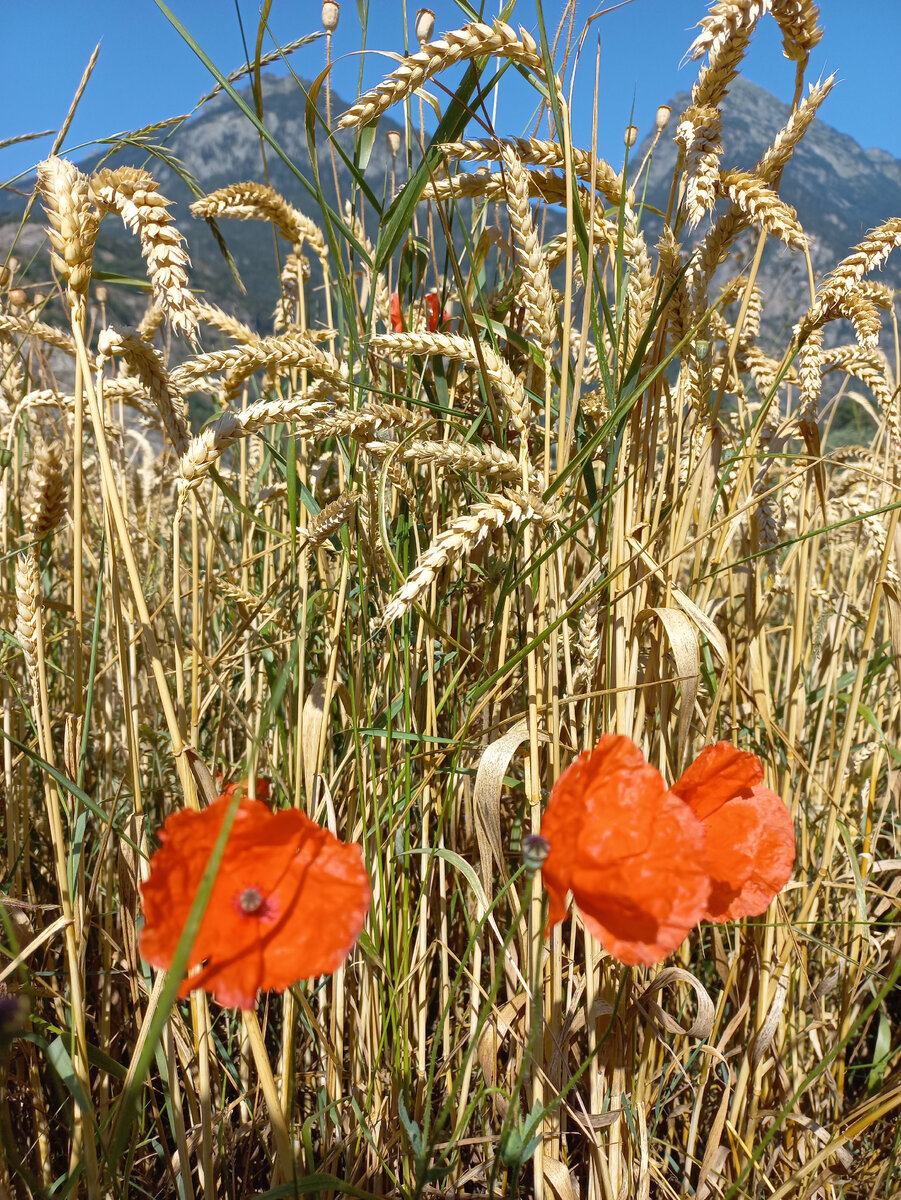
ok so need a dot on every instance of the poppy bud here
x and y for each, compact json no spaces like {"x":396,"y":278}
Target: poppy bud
{"x":663,"y":116}
{"x":330,"y":14}
{"x":631,"y":135}
{"x":393,"y":142}
{"x":425,"y":25}
{"x":534,"y":851}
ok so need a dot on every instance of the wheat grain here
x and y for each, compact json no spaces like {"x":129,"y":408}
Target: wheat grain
{"x":147,"y":364}
{"x":257,"y":202}
{"x":472,"y":41}
{"x":508,"y":386}
{"x":540,"y":309}
{"x":74,"y":224}
{"x":134,"y":195}
{"x":44,"y":502}
{"x":459,"y":538}
{"x":207,"y":448}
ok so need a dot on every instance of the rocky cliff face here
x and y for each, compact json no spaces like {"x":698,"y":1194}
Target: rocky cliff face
{"x":839,"y":189}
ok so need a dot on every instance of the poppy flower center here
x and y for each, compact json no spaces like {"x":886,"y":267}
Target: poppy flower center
{"x":250,"y":901}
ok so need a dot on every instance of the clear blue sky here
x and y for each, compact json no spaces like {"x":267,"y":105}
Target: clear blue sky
{"x":146,"y":72}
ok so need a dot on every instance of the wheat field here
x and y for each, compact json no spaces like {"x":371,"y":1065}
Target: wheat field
{"x":478,"y":495}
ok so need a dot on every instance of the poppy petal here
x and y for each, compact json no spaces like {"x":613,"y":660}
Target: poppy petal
{"x":717,"y":774}
{"x":592,"y":800}
{"x":641,"y":909}
{"x":750,"y":853}
{"x":631,"y":854}
{"x":288,"y":901}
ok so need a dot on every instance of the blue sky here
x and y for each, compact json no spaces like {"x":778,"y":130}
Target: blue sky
{"x":146,"y":72}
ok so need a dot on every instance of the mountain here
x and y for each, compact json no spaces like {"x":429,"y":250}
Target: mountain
{"x":839,"y":189}
{"x":217,"y":147}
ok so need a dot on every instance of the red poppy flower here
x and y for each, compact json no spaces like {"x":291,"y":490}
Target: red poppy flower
{"x":631,"y":853}
{"x":262,"y":787}
{"x":749,"y":831}
{"x":288,"y":901}
{"x":435,"y":316}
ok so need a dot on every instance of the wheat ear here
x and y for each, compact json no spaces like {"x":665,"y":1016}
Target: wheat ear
{"x":508,"y":386}
{"x":472,"y":41}
{"x":459,"y":539}
{"x":257,"y":202}
{"x":134,"y":195}
{"x":540,"y":320}
{"x":275,"y":354}
{"x":146,"y":362}
{"x":74,"y":223}
{"x":207,"y":448}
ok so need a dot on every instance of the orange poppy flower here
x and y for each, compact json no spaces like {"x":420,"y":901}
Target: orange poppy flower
{"x":263,"y":787}
{"x":434,"y":315}
{"x":749,"y":833}
{"x":288,"y":902}
{"x":631,"y":853}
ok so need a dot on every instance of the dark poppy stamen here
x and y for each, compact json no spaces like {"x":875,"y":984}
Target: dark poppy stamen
{"x":250,"y":901}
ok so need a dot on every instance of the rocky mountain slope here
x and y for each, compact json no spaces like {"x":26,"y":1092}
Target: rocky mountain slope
{"x":839,"y":189}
